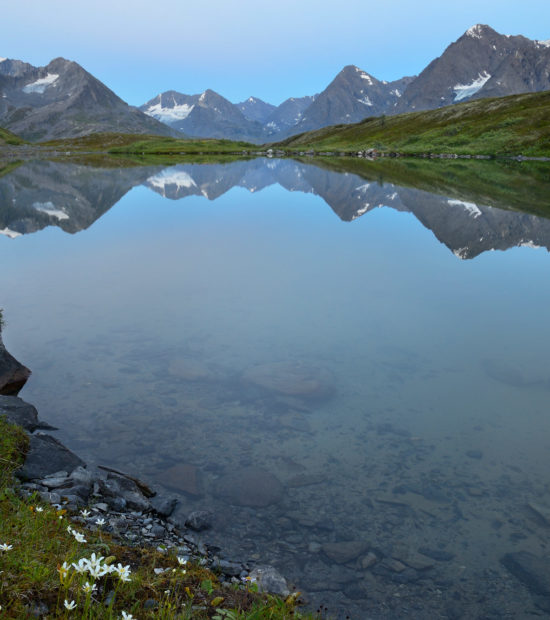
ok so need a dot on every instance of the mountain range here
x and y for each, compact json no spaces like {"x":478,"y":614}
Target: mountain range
{"x":63,"y":100}
{"x":38,"y":194}
{"x":481,"y":63}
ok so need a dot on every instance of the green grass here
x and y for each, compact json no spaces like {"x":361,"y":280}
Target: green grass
{"x":137,"y":144}
{"x":504,"y":126}
{"x":36,"y":566}
{"x":9,"y":138}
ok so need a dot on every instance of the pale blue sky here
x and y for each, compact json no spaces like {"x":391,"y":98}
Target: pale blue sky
{"x":272,"y":50}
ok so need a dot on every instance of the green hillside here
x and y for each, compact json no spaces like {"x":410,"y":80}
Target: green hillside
{"x":9,"y":138}
{"x":519,"y":124}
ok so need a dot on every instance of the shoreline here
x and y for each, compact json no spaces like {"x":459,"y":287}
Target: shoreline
{"x":129,"y":510}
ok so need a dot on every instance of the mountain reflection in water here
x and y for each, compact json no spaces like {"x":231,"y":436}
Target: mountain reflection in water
{"x":44,"y":193}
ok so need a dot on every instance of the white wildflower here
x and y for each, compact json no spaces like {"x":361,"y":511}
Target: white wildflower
{"x":63,"y":571}
{"x":82,"y":566}
{"x":122,"y":571}
{"x":39,"y":509}
{"x":100,"y":522}
{"x":89,"y":588}
{"x":182,"y":561}
{"x":69,"y":605}
{"x":85,"y":513}
{"x":5,"y":547}
{"x":78,"y":536}
{"x":127,"y":616}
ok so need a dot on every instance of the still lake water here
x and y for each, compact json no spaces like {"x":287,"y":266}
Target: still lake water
{"x":354,"y":338}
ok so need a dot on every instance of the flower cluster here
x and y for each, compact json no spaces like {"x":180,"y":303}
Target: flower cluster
{"x":96,"y":568}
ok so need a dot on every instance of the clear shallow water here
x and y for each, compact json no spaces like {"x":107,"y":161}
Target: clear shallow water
{"x":147,"y":330}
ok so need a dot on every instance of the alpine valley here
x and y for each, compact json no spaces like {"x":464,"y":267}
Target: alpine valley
{"x":62,"y":100}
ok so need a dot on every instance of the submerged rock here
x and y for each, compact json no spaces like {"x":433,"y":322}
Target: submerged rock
{"x":533,"y":571}
{"x":292,"y":379}
{"x":190,"y":370}
{"x":344,"y":551}
{"x":250,"y":487}
{"x":183,"y":477}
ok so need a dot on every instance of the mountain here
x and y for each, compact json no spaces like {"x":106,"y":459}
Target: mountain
{"x":62,"y":100}
{"x":481,"y":63}
{"x":352,"y":96}
{"x":287,"y":115}
{"x":255,"y":109}
{"x":208,"y":115}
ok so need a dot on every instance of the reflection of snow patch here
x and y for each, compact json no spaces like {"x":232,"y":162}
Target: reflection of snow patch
{"x":541,"y":43}
{"x":49,"y":209}
{"x":463,"y":91}
{"x":461,"y":253}
{"x":40,"y":85}
{"x":362,"y":188}
{"x":472,"y":209}
{"x":2,"y":60}
{"x":12,"y":234}
{"x":177,"y":113}
{"x":179,"y":178}
{"x":529,"y":244}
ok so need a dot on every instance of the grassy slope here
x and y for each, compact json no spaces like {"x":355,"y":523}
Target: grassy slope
{"x":519,"y":124}
{"x":9,"y":138}
{"x":146,"y":145}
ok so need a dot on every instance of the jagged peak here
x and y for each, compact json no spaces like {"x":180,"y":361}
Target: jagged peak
{"x":478,"y":31}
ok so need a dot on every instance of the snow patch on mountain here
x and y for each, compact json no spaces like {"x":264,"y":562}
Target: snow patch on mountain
{"x":543,"y":43}
{"x":365,"y":101}
{"x":166,"y":115}
{"x":40,"y":85}
{"x":2,"y":59}
{"x":463,"y":91}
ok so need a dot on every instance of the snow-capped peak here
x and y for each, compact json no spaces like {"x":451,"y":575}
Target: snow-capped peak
{"x":476,"y":31}
{"x":2,"y":59}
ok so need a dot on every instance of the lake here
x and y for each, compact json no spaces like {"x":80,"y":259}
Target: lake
{"x":347,"y":361}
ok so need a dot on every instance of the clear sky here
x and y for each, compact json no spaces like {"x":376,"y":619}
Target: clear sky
{"x":272,"y":50}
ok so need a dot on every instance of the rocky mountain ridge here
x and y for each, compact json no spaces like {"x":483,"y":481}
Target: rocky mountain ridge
{"x":481,"y":63}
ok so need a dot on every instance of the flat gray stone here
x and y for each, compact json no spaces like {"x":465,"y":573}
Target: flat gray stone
{"x":47,"y":455}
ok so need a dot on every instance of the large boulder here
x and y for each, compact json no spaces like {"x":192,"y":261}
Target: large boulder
{"x":13,"y":375}
{"x":46,"y":456}
{"x":19,"y":412}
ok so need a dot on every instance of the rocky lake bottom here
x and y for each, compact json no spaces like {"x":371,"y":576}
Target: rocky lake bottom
{"x":349,"y":402}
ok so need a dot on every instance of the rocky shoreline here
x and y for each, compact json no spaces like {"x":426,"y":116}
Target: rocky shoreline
{"x":101,"y":498}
